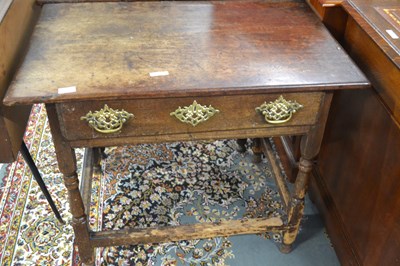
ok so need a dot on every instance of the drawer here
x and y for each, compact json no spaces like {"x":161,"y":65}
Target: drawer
{"x":153,"y":117}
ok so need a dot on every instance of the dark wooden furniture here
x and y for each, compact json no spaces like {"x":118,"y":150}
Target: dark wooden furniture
{"x":109,"y":75}
{"x":16,"y":24}
{"x":359,"y":193}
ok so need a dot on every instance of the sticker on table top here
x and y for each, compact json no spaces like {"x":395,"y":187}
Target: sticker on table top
{"x":159,"y":73}
{"x":392,"y":34}
{"x":64,"y":90}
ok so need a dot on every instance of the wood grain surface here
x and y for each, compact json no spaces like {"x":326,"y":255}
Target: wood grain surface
{"x":107,"y":51}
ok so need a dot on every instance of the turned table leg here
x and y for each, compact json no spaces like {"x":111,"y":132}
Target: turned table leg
{"x":309,"y":148}
{"x":296,"y":207}
{"x":67,"y":165}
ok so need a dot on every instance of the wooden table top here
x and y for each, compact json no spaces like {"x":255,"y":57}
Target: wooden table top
{"x":109,"y":50}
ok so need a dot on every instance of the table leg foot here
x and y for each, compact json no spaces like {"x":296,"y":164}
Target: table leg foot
{"x":88,"y":259}
{"x":257,"y":158}
{"x":285,"y":248}
{"x":88,"y":264}
{"x":257,"y":151}
{"x":241,"y":145}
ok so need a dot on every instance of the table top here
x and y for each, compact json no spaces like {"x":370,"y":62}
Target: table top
{"x":127,"y":50}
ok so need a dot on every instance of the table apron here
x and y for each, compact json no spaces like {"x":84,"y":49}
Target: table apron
{"x":153,"y":122}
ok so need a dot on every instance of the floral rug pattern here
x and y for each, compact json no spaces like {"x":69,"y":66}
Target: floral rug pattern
{"x":139,"y":186}
{"x":29,"y":232}
{"x":180,"y":183}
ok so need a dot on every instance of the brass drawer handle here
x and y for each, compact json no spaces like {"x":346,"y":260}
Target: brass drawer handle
{"x":279,"y":111}
{"x":194,"y":113}
{"x":107,"y":120}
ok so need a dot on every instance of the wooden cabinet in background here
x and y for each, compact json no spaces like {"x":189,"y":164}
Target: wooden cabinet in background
{"x":358,"y":189}
{"x":17,"y":18}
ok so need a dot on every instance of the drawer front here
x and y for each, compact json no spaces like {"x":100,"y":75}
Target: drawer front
{"x":152,"y":117}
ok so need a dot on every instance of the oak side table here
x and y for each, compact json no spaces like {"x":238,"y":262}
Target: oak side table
{"x":114,"y":73}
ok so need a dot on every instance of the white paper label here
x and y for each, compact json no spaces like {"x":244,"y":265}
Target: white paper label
{"x":392,"y":34}
{"x":159,"y":73}
{"x":64,"y":90}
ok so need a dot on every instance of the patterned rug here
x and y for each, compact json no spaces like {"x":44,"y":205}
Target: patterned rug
{"x":139,"y":186}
